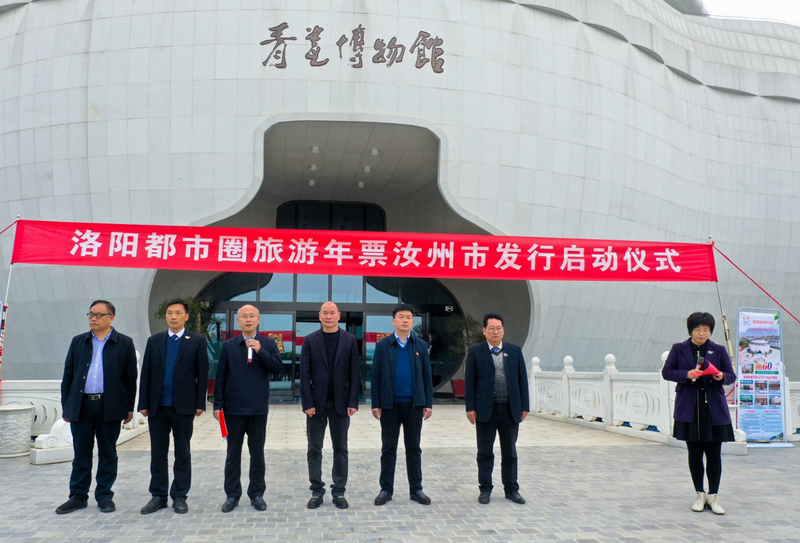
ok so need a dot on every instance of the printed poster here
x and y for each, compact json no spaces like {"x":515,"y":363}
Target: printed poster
{"x":760,"y":369}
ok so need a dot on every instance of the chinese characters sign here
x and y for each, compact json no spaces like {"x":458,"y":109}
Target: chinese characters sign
{"x":359,"y":253}
{"x":426,"y":49}
{"x":759,"y":360}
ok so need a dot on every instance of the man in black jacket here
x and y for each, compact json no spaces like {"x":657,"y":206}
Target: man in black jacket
{"x":242,"y":394}
{"x":402,"y":395}
{"x":98,"y":391}
{"x":172,"y":393}
{"x":329,"y":392}
{"x":497,"y":401}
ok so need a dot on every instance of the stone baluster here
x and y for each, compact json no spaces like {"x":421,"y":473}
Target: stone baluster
{"x":608,"y":389}
{"x":665,"y":414}
{"x":568,"y":369}
{"x":536,"y":368}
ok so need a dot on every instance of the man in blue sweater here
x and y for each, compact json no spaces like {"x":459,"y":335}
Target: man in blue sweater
{"x":402,"y":395}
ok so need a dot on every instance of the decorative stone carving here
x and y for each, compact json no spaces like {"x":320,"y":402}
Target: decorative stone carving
{"x":15,"y":430}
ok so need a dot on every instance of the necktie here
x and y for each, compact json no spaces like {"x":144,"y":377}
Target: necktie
{"x":496,"y":350}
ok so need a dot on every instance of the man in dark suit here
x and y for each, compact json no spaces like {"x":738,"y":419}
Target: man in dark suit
{"x":242,"y":393}
{"x":329,"y":391}
{"x":402,"y":395}
{"x":98,"y":391}
{"x":171,"y":393}
{"x":497,"y":401}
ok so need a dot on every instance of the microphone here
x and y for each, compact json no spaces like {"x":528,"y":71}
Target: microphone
{"x":249,"y":354}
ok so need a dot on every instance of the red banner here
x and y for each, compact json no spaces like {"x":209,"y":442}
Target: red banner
{"x":359,"y":253}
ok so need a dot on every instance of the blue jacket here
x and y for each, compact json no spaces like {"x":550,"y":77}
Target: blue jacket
{"x":190,"y":374}
{"x":119,"y":376}
{"x":242,"y":388}
{"x":384,"y":367}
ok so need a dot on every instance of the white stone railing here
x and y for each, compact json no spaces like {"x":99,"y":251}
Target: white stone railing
{"x":632,"y":403}
{"x":53,"y":441}
{"x":793,"y":415}
{"x":44,"y":396}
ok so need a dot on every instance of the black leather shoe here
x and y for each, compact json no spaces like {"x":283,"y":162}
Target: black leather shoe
{"x":315,"y":501}
{"x":515,"y":497}
{"x":106,"y":506}
{"x":258,"y":503}
{"x":72,"y":504}
{"x":340,"y":502}
{"x":229,"y":505}
{"x":420,"y":497}
{"x":154,"y":505}
{"x":485,"y":497}
{"x":382,"y":498}
{"x":179,"y":505}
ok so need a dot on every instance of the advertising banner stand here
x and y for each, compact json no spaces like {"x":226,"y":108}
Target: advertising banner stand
{"x":761,"y":386}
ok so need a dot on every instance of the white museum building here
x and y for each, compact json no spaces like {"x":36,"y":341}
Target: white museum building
{"x":593,"y":119}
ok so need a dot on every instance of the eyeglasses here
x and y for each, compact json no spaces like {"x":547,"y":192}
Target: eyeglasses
{"x":245,"y":317}
{"x":96,"y":315}
{"x":494,"y":330}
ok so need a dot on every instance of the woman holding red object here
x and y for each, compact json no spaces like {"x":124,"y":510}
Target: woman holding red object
{"x":702,"y":418}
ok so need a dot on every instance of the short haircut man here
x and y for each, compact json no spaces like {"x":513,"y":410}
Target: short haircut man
{"x":329,"y":377}
{"x":98,"y":391}
{"x":172,"y":393}
{"x":497,"y":401}
{"x":242,"y":393}
{"x":402,"y":395}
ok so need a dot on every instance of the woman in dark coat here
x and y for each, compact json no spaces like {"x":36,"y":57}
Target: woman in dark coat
{"x":702,"y":418}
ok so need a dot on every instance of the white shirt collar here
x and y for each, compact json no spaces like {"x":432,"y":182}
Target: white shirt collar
{"x":179,"y":334}
{"x":490,"y":345}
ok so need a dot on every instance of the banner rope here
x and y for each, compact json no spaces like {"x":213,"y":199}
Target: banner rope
{"x":754,"y":282}
{"x":7,"y":227}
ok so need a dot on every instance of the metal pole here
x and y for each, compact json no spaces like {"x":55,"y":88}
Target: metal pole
{"x":724,"y":318}
{"x":732,"y":388}
{"x":8,"y":286}
{"x":4,"y":312}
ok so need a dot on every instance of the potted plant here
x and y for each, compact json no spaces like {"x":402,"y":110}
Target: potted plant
{"x":463,"y":331}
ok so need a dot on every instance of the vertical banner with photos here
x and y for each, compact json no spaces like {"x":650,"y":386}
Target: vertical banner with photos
{"x":759,"y":365}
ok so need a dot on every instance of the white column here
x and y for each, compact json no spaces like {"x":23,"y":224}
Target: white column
{"x":608,"y":389}
{"x":536,"y":368}
{"x":666,"y":387}
{"x":568,"y":369}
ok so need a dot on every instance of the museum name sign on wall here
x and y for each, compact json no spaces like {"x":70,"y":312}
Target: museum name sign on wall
{"x":353,"y":45}
{"x":359,"y":253}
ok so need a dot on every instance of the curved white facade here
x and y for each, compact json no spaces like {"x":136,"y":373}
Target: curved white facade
{"x":617,"y":119}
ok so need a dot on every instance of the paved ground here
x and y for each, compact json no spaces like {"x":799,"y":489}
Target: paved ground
{"x":581,"y":485}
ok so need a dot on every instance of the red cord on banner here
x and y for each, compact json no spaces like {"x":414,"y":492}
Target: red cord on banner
{"x":754,"y":282}
{"x":7,"y":227}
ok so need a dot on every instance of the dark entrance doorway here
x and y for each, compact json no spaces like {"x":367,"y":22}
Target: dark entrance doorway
{"x":289,"y":306}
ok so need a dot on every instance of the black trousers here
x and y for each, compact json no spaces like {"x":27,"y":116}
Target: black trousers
{"x":182,"y":426}
{"x":503,"y":424}
{"x":255,"y":426}
{"x":713,"y":467}
{"x":410,"y":418}
{"x":91,"y":426}
{"x":315,"y":431}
